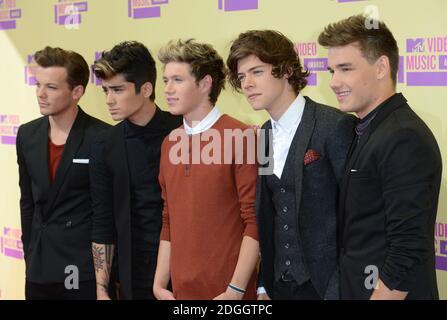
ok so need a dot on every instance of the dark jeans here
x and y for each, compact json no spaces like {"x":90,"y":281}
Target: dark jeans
{"x":57,"y":291}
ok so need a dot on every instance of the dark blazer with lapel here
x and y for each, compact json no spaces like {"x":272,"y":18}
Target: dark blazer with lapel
{"x":56,"y":218}
{"x":388,"y":206}
{"x":111,"y":194}
{"x":330,"y":133}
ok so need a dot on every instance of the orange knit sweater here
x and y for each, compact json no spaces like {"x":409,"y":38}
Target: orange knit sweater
{"x":208,"y":209}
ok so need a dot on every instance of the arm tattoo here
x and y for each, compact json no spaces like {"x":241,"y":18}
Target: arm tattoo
{"x":102,"y":259}
{"x":103,"y":286}
{"x":109,"y":256}
{"x":98,"y":260}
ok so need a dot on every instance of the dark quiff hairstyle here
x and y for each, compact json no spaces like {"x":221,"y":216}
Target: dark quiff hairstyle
{"x":132,"y":60}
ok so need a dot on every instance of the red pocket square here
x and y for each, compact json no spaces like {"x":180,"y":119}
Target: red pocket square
{"x":311,"y":156}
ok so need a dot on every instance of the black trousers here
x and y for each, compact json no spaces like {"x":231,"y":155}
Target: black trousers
{"x":57,"y":291}
{"x":144,"y":264}
{"x":290,"y":290}
{"x":142,"y":279}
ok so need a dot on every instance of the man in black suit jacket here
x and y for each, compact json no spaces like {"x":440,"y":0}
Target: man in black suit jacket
{"x":296,"y":202}
{"x":124,"y":171}
{"x":53,"y":154}
{"x":390,"y":189}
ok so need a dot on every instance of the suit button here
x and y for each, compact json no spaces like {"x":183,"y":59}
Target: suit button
{"x":282,"y":190}
{"x":286,"y":227}
{"x":285,"y":209}
{"x":287,"y":262}
{"x":68,"y":224}
{"x":287,"y":246}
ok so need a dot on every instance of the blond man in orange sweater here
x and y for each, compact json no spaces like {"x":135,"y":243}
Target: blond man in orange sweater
{"x":209,"y":239}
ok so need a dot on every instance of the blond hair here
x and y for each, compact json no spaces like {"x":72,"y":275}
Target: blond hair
{"x":203,"y":60}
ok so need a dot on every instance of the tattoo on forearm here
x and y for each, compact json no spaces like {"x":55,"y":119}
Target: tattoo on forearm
{"x":109,"y":255}
{"x":98,"y":260}
{"x":103,"y":286}
{"x":102,"y":258}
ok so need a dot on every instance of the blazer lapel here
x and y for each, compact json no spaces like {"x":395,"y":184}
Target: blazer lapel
{"x":383,"y":112}
{"x":74,"y":140}
{"x":265,"y":157}
{"x":117,"y":152}
{"x":304,"y":134}
{"x":39,"y":153}
{"x":352,"y":160}
{"x":117,"y":160}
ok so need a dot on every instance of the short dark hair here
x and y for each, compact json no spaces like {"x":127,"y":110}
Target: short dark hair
{"x":131,"y":59}
{"x":203,"y":60}
{"x":373,"y":42}
{"x":270,"y":47}
{"x":77,"y":68}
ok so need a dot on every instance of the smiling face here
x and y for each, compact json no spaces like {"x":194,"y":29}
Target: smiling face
{"x":54,"y":94}
{"x":355,"y":81}
{"x":122,"y":99}
{"x":262,"y":90}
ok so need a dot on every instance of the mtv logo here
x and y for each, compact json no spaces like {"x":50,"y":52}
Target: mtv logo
{"x":30,"y":70}
{"x":443,"y":247}
{"x":441,"y":263}
{"x":415,"y":45}
{"x":69,"y":12}
{"x":443,"y":62}
{"x":237,"y":5}
{"x":9,"y":14}
{"x":11,"y":233}
{"x":138,"y":9}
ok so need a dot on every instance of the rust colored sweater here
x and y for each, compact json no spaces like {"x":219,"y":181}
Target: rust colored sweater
{"x":208,"y":209}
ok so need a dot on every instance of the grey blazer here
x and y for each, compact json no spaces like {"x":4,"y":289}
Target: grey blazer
{"x":329,"y":132}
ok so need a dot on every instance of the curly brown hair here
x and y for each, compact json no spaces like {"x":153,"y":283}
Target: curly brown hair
{"x":270,"y":47}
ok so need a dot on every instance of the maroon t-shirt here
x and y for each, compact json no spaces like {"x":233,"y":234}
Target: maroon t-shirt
{"x":54,"y":157}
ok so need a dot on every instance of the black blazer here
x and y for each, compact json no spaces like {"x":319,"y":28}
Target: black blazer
{"x":330,"y":133}
{"x":111,"y":193}
{"x":388,"y":206}
{"x":56,"y":218}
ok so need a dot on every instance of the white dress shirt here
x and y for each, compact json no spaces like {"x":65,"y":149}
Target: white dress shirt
{"x":203,"y":125}
{"x":283,"y":132}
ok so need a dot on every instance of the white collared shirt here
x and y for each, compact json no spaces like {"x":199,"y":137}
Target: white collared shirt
{"x":203,"y":125}
{"x":283,"y":132}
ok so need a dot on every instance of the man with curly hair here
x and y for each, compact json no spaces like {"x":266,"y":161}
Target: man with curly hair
{"x":296,"y":202}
